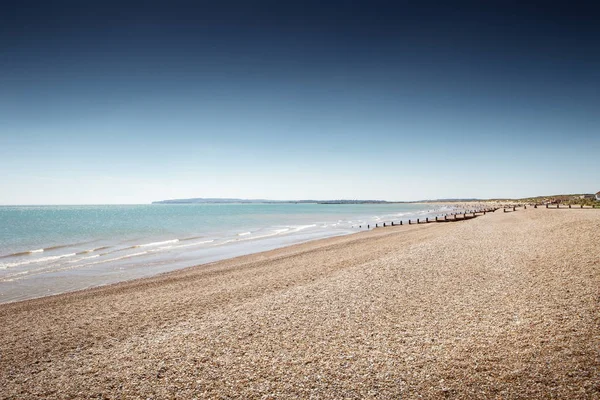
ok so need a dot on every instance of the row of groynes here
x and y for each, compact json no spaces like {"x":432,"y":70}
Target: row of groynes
{"x":462,"y":216}
{"x":459,"y":216}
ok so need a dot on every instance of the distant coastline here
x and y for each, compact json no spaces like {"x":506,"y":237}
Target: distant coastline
{"x":562,"y":198}
{"x":265,"y":201}
{"x":201,"y":200}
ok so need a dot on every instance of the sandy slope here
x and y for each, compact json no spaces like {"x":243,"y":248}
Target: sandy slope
{"x":502,"y":306}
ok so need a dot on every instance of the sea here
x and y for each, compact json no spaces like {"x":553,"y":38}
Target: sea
{"x":47,"y":250}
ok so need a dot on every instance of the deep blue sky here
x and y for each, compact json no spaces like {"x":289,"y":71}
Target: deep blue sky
{"x":129,"y":103}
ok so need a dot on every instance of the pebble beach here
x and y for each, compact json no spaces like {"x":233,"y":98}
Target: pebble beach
{"x":505,"y":305}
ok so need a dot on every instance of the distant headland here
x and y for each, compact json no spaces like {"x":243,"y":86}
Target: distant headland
{"x":265,"y":201}
{"x":562,"y":198}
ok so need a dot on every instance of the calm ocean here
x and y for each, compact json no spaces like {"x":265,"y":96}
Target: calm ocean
{"x":53,"y":249}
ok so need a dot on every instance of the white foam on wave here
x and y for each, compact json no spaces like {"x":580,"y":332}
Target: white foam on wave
{"x":157,"y":243}
{"x":187,"y":245}
{"x":47,"y":268}
{"x":303,"y":227}
{"x":53,"y":269}
{"x":84,"y":258}
{"x":244,"y":233}
{"x":263,"y":236}
{"x":35,"y":261}
{"x":93,"y":250}
{"x":131,"y":255}
{"x":275,"y":232}
{"x":23,"y":253}
{"x":113,"y":259}
{"x":50,"y":269}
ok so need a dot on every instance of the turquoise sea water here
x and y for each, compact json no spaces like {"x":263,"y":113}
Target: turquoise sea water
{"x":52,"y":249}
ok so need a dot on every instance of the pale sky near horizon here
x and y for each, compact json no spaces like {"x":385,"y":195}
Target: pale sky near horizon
{"x":116,"y":104}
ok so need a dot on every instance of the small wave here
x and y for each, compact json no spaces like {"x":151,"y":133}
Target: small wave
{"x":156,"y":243}
{"x":35,"y":261}
{"x":275,"y":232}
{"x":181,"y":245}
{"x":84,"y":258}
{"x":114,"y":259}
{"x":101,"y":248}
{"x":61,"y":246}
{"x":191,"y":238}
{"x":43,"y":270}
{"x":188,"y":245}
{"x":302,"y":227}
{"x":244,"y":233}
{"x":129,"y":256}
{"x":51,"y":248}
{"x":118,"y":250}
{"x":93,"y":250}
{"x":137,"y":246}
{"x":23,"y":253}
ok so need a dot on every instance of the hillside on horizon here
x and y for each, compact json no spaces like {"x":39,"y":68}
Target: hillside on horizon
{"x":217,"y":200}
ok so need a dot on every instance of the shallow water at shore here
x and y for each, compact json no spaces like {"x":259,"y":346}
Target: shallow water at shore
{"x":53,"y":249}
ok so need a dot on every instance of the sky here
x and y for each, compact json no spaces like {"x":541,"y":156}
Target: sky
{"x":131,"y":102}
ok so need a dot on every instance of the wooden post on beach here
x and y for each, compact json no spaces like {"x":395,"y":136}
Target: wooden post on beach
{"x":582,"y":206}
{"x":445,"y":218}
{"x":368,"y":226}
{"x":546,"y":205}
{"x":514,"y":208}
{"x":535,"y":206}
{"x":409,"y":222}
{"x":384,"y":224}
{"x":569,"y":206}
{"x":435,"y":219}
{"x":392,"y":223}
{"x":376,"y":226}
{"x":427,"y":220}
{"x":558,"y":205}
{"x":417,"y":220}
{"x":400,"y":222}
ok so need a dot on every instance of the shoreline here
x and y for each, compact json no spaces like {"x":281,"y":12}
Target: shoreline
{"x":54,"y":269}
{"x":264,"y":247}
{"x":500,"y":306}
{"x":235,"y":259}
